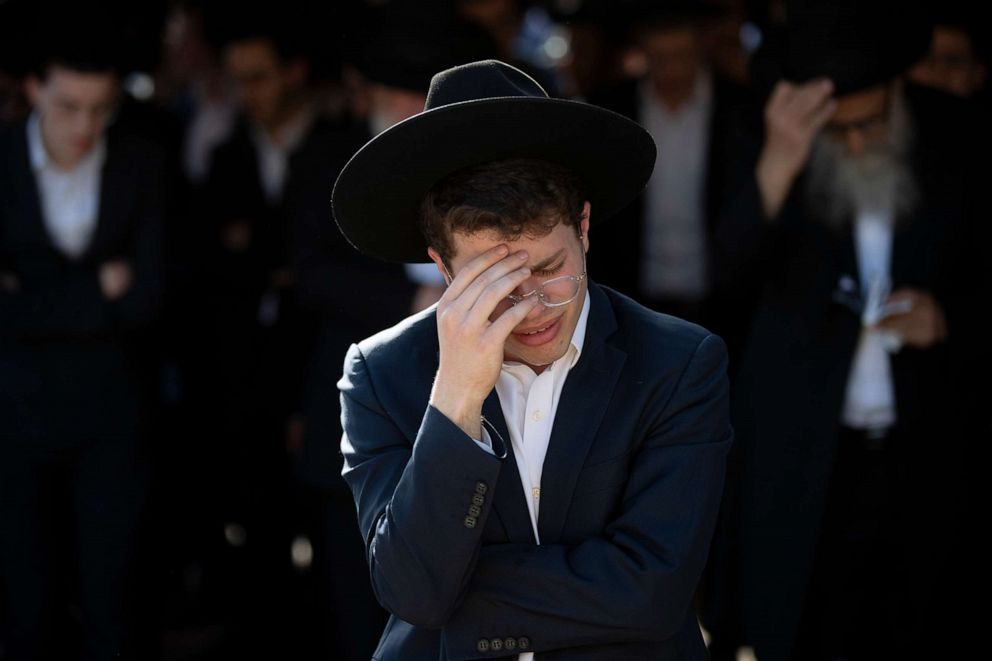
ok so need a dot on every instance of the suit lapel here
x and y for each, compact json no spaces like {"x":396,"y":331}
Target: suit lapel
{"x":580,"y":412}
{"x":27,"y":187}
{"x":509,"y":503}
{"x":114,"y":189}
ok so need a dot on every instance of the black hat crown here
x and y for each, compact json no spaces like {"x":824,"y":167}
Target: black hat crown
{"x":487,"y":79}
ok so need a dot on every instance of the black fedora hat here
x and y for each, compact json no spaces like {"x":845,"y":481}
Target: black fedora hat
{"x":476,"y":113}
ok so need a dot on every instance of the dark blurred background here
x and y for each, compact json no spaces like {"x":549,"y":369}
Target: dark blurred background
{"x":240,"y":538}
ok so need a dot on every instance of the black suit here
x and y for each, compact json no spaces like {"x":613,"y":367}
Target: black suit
{"x":72,"y":388}
{"x":816,"y":507}
{"x":630,"y":489}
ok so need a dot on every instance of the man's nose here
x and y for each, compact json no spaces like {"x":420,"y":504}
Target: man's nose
{"x":855,"y":140}
{"x":536,"y":311}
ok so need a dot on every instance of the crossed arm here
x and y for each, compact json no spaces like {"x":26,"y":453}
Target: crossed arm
{"x":633,"y":582}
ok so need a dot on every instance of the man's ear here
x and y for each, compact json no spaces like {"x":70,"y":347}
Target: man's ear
{"x":439,"y":262}
{"x":584,"y":225}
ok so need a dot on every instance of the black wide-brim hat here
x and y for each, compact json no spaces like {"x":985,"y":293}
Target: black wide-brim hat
{"x":477,"y":113}
{"x":856,"y":44}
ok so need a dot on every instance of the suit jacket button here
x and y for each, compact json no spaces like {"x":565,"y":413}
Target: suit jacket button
{"x":495,"y":644}
{"x":478,"y":499}
{"x":482,"y":645}
{"x":481,"y":488}
{"x":470,"y":521}
{"x":510,"y":644}
{"x":523,"y":643}
{"x":474,"y":510}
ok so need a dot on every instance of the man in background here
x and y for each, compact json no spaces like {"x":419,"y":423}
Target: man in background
{"x":81,"y":269}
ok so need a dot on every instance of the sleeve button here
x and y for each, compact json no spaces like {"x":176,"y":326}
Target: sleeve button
{"x":482,"y":645}
{"x":495,"y":644}
{"x":478,"y":499}
{"x":481,"y":488}
{"x":523,"y":643}
{"x":510,"y":644}
{"x":474,"y":510}
{"x":470,"y":521}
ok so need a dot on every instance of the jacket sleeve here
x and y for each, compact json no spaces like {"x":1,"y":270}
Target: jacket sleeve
{"x":145,"y":252}
{"x":70,"y":306}
{"x":634,"y":582}
{"x":747,"y":242}
{"x":422,"y":502}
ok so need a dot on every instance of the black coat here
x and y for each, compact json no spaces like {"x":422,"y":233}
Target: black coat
{"x":630,"y":490}
{"x":790,"y":389}
{"x":70,"y":360}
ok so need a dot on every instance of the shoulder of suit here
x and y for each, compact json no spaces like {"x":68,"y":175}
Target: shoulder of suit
{"x":414,"y":338}
{"x":644,"y":332}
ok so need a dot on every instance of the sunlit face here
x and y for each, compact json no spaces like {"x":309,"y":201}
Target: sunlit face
{"x":557,"y":254}
{"x":74,"y":108}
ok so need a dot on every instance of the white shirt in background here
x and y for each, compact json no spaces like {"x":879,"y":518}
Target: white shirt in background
{"x":273,"y":157}
{"x":675,"y":246}
{"x":870,"y":398}
{"x":70,"y":199}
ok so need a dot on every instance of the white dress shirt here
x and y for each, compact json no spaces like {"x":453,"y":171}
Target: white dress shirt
{"x":870,"y":398}
{"x":674,"y":246}
{"x":529,"y":402}
{"x":273,"y":156}
{"x":70,"y":199}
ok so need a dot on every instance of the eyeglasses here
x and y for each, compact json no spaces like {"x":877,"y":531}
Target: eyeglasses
{"x":553,"y":293}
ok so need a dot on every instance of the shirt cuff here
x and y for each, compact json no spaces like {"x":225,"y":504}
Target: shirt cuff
{"x":486,"y":443}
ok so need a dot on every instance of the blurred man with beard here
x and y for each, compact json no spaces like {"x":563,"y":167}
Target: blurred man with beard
{"x":854,"y":216}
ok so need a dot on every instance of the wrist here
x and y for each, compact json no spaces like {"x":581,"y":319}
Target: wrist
{"x":463,"y":410}
{"x":774,"y":177}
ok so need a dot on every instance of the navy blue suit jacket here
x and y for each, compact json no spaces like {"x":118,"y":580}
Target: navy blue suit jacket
{"x":630,"y":489}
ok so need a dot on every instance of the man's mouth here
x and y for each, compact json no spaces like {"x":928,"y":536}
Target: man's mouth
{"x":539,"y":330}
{"x":540,"y":334}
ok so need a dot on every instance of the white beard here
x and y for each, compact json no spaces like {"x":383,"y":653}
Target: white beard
{"x":879,"y":180}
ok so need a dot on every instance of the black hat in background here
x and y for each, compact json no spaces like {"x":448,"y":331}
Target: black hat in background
{"x":411,"y":46}
{"x":477,"y":113}
{"x":655,"y":14}
{"x":99,"y":36}
{"x":856,"y":44}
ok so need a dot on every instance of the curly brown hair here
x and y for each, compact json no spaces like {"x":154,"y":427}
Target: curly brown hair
{"x":512,"y":197}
